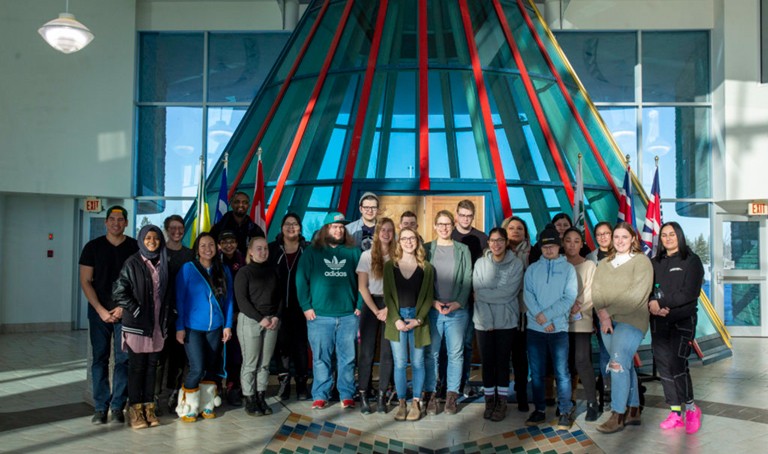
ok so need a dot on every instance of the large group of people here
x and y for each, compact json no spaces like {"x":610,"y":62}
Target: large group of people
{"x":212,"y":322}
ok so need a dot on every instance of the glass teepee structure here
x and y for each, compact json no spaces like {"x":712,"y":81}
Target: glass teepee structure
{"x":425,"y":97}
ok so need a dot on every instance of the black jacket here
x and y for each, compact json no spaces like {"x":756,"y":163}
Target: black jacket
{"x":287,"y":275}
{"x":680,"y":281}
{"x":256,"y":291}
{"x":134,"y":293}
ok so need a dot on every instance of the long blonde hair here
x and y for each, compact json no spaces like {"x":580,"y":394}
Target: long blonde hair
{"x":634,"y":248}
{"x":377,"y":258}
{"x":420,"y":253}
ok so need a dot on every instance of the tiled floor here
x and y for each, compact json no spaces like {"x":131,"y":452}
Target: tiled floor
{"x":42,"y":383}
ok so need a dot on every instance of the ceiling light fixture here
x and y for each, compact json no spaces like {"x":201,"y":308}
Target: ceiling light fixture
{"x":66,"y":34}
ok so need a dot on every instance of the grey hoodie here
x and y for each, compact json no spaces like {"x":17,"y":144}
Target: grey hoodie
{"x":497,"y":286}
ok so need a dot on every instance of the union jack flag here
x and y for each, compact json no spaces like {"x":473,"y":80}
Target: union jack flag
{"x":626,"y":209}
{"x":652,"y":227}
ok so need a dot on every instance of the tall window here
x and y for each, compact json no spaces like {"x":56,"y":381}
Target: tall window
{"x":653,"y":91}
{"x":193,"y":91}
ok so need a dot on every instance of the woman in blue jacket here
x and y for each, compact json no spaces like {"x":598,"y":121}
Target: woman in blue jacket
{"x":204,"y":303}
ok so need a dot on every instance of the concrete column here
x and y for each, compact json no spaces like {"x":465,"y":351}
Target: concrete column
{"x":552,"y":13}
{"x":290,"y":14}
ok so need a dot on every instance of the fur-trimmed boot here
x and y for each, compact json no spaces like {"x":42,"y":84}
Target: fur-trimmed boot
{"x":136,"y":417}
{"x":209,"y":399}
{"x":490,"y":404}
{"x":189,"y":404}
{"x":150,"y":414}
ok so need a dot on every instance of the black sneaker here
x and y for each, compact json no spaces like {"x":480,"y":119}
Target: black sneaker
{"x":564,"y":422}
{"x":536,"y":418}
{"x":592,"y":412}
{"x":117,"y":416}
{"x":99,"y":417}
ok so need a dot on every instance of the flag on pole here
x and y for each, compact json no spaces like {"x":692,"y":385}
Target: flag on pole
{"x":578,"y":199}
{"x":626,"y":209}
{"x":258,"y":205}
{"x":652,"y":227}
{"x":202,"y":219}
{"x":223,"y":204}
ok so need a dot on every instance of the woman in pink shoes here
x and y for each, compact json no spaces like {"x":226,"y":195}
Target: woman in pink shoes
{"x":678,"y":275}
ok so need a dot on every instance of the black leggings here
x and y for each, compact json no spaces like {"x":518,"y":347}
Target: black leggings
{"x":372,"y":328}
{"x":293,"y":343}
{"x":520,"y":364}
{"x":671,"y":343}
{"x":581,"y":362}
{"x":141,"y":376}
{"x":495,"y":347}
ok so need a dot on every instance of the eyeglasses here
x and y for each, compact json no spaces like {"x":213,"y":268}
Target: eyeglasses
{"x":408,"y":239}
{"x":365,"y":208}
{"x":291,"y":225}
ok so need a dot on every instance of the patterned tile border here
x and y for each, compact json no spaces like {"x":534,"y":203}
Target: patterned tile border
{"x":303,"y":434}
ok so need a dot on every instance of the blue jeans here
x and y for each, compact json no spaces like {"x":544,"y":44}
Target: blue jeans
{"x":451,"y":327}
{"x":555,"y":345}
{"x":105,"y":337}
{"x":622,"y":346}
{"x":400,"y":351}
{"x":326,"y":336}
{"x":202,"y":349}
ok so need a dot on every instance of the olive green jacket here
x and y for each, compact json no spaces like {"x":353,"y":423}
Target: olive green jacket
{"x":423,"y":304}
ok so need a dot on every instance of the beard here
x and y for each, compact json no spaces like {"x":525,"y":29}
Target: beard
{"x":329,"y":239}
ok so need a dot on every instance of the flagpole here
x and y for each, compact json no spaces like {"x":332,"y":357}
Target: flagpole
{"x":200,"y":196}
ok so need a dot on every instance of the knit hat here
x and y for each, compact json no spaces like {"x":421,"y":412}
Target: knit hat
{"x":367,"y":195}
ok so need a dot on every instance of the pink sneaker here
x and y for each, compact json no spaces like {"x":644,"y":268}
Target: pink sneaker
{"x":693,"y":420}
{"x":673,"y":421}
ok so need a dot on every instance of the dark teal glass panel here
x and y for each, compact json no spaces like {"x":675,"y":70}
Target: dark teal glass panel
{"x":238,"y":63}
{"x":446,"y":38}
{"x":676,"y":66}
{"x":399,"y":43}
{"x":742,"y":305}
{"x":604,"y":62}
{"x":492,"y":46}
{"x":170,"y":67}
{"x":317,"y":51}
{"x":169,"y":148}
{"x":355,"y":43}
{"x":293,"y":48}
{"x":680,"y":137}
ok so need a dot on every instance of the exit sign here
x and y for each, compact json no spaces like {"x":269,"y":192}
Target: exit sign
{"x":92,"y":205}
{"x":757,"y":209}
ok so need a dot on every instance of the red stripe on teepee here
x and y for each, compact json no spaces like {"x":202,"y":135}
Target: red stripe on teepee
{"x":276,"y":103}
{"x":307,"y":113}
{"x":423,"y":98}
{"x":485,"y":109}
{"x":362,"y":108}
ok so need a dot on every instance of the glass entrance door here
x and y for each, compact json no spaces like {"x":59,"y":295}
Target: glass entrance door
{"x":741,"y":276}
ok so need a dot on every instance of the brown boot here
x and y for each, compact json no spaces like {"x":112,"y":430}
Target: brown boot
{"x":500,"y":410}
{"x":432,"y":404}
{"x":614,"y":423}
{"x":490,"y":404}
{"x":136,"y":417}
{"x":414,"y":414}
{"x":150,"y":414}
{"x":450,"y":403}
{"x":402,"y":411}
{"x":632,"y":416}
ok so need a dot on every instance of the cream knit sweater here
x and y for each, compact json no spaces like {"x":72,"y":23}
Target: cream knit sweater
{"x":624,"y":291}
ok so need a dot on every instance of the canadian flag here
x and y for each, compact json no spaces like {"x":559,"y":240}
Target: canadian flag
{"x":257,"y":206}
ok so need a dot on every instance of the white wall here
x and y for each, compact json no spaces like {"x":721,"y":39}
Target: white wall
{"x":209,"y":15}
{"x":630,"y":14}
{"x":66,"y":121}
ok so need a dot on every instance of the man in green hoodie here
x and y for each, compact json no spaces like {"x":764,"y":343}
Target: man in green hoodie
{"x":326,"y":285}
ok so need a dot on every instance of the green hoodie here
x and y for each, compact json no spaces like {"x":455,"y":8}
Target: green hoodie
{"x":326,"y":281}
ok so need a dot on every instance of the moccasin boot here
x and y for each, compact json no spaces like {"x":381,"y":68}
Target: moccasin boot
{"x":136,"y":416}
{"x":490,"y":404}
{"x":615,"y":423}
{"x":451,"y":407}
{"x":150,"y":414}
{"x":402,"y":411}
{"x":414,"y":414}
{"x":499,"y":410}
